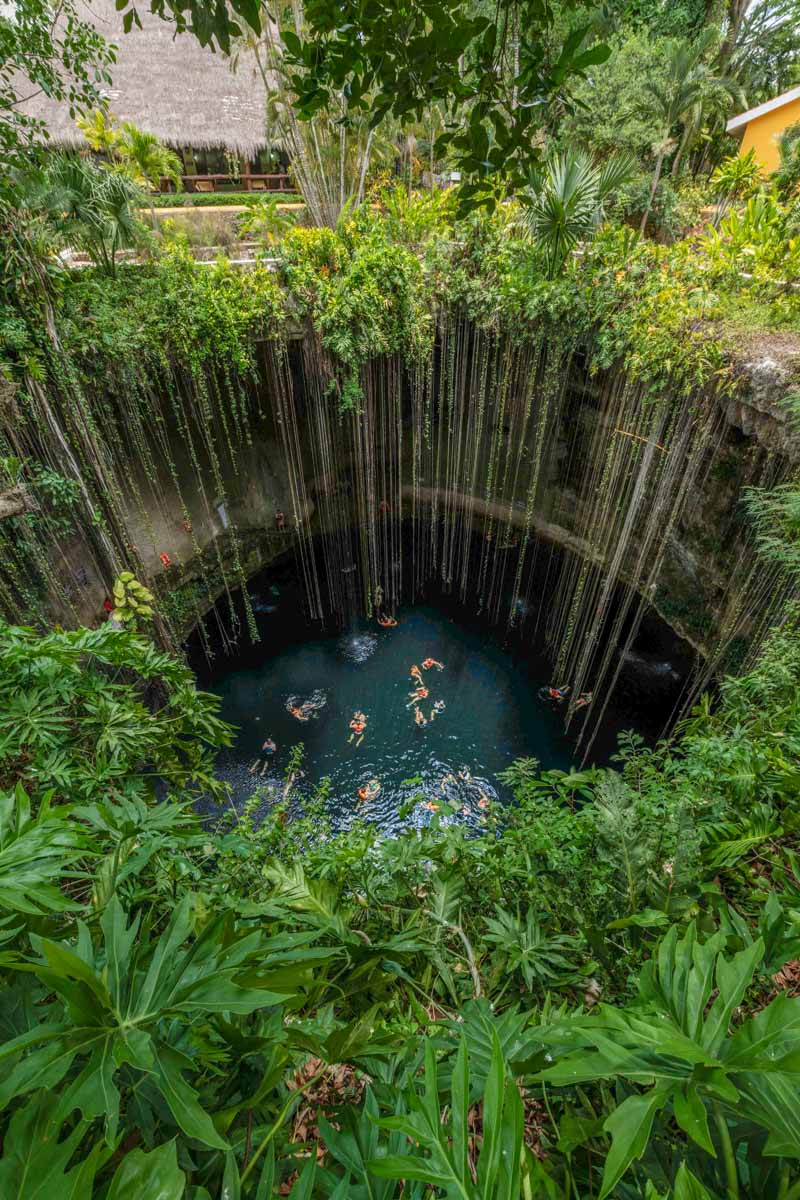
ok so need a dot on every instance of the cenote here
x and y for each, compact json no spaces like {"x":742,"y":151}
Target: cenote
{"x":489,"y":709}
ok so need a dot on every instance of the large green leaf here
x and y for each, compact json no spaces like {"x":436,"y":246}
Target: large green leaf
{"x":35,"y":1161}
{"x":629,"y":1126}
{"x":155,"y":1176}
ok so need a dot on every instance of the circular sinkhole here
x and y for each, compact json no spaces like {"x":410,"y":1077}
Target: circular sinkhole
{"x":305,"y":682}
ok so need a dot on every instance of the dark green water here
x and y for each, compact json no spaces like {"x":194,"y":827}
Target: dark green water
{"x":489,"y":686}
{"x":492,"y":714}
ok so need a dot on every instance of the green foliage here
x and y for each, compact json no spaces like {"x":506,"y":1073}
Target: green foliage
{"x":787,"y":177}
{"x":265,"y":222}
{"x":174,"y":996}
{"x":36,"y":852}
{"x":68,"y":60}
{"x":737,"y":177}
{"x":487,"y":68}
{"x":761,"y":240}
{"x":94,"y":210}
{"x":611,"y":115}
{"x":363,"y":293}
{"x":73,"y":716}
{"x":566,"y":202}
{"x":132,"y":600}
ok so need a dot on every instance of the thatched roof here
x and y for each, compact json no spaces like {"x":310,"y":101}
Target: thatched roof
{"x":169,"y":85}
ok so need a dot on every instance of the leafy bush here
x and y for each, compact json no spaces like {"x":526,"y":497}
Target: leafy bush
{"x":263,"y":1007}
{"x":220,"y":199}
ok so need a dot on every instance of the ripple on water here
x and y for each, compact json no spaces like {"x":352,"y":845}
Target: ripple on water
{"x":357,"y":647}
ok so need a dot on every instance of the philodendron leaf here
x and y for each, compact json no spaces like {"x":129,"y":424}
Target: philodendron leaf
{"x":629,"y":1126}
{"x":690,"y":1113}
{"x":182,"y":1099}
{"x":34,"y":1163}
{"x":156,"y":1176}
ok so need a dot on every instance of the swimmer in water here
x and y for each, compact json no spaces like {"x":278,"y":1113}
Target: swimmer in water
{"x":431,"y":806}
{"x":427,"y":663}
{"x":300,"y":713}
{"x":358,"y":725}
{"x":386,"y":622}
{"x":268,"y":748}
{"x":369,"y":791}
{"x":438,"y":707}
{"x":414,"y":697}
{"x":483,"y":801}
{"x":419,"y":718}
{"x":465,"y":774}
{"x":584,"y":700}
{"x":415,"y":673}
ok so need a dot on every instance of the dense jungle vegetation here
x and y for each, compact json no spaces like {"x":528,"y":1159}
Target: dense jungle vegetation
{"x":599,"y":995}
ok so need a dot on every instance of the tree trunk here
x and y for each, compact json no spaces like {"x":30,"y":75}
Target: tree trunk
{"x":653,"y":188}
{"x":364,"y":167}
{"x":736,"y":14}
{"x":688,"y":130}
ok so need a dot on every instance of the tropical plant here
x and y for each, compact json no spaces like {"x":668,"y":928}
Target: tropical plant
{"x":680,"y":98}
{"x":566,"y":200}
{"x":265,"y":222}
{"x":133,"y":602}
{"x":737,"y":177}
{"x":759,"y":240}
{"x":37,"y":852}
{"x":724,"y":1085}
{"x":544,"y":959}
{"x":93,"y":209}
{"x":147,"y":161}
{"x":73,"y":717}
{"x":101,"y":132}
{"x":438,"y":1153}
{"x":787,"y":177}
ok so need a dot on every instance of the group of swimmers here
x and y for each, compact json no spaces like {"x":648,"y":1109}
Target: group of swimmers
{"x":557,"y":695}
{"x":304,"y":710}
{"x":422,"y":692}
{"x":451,"y":781}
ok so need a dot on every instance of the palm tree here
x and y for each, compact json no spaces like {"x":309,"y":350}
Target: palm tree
{"x":147,"y":160}
{"x":101,"y":132}
{"x":689,"y":87}
{"x":566,"y":201}
{"x":93,"y":208}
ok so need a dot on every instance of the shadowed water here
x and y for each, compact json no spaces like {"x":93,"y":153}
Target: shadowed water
{"x":491,"y":714}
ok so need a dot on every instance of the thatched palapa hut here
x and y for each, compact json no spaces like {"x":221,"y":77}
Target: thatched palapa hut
{"x":170,"y":85}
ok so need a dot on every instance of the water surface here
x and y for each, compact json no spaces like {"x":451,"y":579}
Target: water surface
{"x":492,"y":714}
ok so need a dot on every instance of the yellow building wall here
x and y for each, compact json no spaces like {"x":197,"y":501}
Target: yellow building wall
{"x":761,"y":135}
